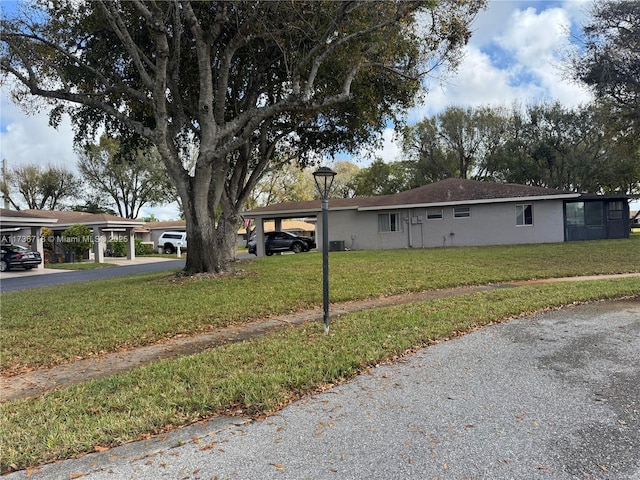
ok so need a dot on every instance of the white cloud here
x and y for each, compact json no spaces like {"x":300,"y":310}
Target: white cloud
{"x":538,"y":42}
{"x":30,"y":140}
{"x":514,"y":57}
{"x":534,"y":37}
{"x":477,"y":82}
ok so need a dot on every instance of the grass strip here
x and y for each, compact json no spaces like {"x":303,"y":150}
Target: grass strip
{"x":78,"y":266}
{"x":67,"y":322}
{"x":259,"y":376}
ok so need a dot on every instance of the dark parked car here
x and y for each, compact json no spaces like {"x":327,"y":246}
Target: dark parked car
{"x":17,"y":256}
{"x":282,"y":242}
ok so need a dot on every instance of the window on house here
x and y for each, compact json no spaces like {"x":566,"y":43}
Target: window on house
{"x":594,"y":214}
{"x":615,"y":210}
{"x":388,"y":222}
{"x":575,"y":214}
{"x":580,"y":214}
{"x":461,"y":212}
{"x":434,"y":214}
{"x":524,"y":215}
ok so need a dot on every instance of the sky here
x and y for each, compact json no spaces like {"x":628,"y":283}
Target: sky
{"x":514,"y":56}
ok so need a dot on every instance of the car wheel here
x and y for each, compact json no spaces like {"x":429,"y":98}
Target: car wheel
{"x":168,"y":248}
{"x":297,"y":247}
{"x":268,"y":254}
{"x":4,"y":266}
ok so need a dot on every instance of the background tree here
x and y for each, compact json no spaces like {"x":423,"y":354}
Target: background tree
{"x":129,"y":179}
{"x":455,"y":143}
{"x":284,"y":184}
{"x":609,"y":63}
{"x":422,"y":146}
{"x":548,"y":145}
{"x":224,"y":75}
{"x":93,"y":205}
{"x":344,"y":182}
{"x":382,"y":178}
{"x":610,"y":60}
{"x":569,"y":149}
{"x":40,"y":187}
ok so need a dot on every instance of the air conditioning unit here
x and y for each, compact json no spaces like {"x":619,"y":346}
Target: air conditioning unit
{"x":336,"y":246}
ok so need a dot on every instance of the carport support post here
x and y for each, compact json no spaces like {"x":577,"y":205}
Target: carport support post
{"x":36,"y":232}
{"x":131,"y":244}
{"x":99,"y":244}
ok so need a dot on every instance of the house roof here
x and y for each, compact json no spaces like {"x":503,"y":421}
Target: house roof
{"x":167,"y":225}
{"x":452,"y":191}
{"x":23,"y":218}
{"x":68,"y":218}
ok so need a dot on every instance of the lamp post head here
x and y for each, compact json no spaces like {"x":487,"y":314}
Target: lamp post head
{"x":323,"y":177}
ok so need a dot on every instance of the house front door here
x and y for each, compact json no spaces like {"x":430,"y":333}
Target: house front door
{"x":616,"y":225}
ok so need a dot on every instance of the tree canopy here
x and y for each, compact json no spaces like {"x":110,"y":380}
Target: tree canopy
{"x":236,"y":79}
{"x":545,"y":145}
{"x":129,"y":180}
{"x":610,"y":60}
{"x":39,"y":186}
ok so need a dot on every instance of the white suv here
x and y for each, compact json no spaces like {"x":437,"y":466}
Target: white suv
{"x":170,"y":241}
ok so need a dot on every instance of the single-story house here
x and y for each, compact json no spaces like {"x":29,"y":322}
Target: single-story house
{"x":104,"y":227}
{"x":458,"y":212}
{"x":150,"y":232}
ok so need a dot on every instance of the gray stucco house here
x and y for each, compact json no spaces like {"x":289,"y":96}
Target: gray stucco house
{"x":457,"y":212}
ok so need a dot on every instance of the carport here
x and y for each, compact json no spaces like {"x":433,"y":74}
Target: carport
{"x":278,"y":214}
{"x":104,"y":227}
{"x":23,"y":228}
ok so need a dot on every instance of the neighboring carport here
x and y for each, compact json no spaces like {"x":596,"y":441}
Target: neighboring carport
{"x":279,"y":213}
{"x":104,"y":227}
{"x":24,"y":228}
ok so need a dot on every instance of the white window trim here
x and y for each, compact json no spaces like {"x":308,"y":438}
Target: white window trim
{"x":441,"y":217}
{"x":397,"y":222}
{"x":524,"y":218}
{"x":468,"y":212}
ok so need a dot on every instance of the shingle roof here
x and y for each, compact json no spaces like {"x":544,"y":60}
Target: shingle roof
{"x":22,"y":216}
{"x":451,"y":190}
{"x":168,"y":224}
{"x":70,"y":217}
{"x":19,"y":214}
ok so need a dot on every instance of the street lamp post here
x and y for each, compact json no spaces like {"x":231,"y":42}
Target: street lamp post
{"x":323,"y":177}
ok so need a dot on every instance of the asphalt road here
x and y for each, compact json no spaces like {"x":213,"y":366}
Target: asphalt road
{"x":22,"y":280}
{"x":551,"y":396}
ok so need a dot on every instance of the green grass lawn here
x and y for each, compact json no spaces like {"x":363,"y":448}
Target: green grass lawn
{"x":73,"y":321}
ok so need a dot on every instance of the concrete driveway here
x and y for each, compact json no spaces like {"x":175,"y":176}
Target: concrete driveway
{"x":551,"y":396}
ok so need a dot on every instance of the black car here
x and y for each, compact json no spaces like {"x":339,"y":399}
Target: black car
{"x":282,"y":242}
{"x":18,"y":256}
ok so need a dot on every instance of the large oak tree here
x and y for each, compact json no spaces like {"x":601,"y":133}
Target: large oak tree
{"x":235,"y":78}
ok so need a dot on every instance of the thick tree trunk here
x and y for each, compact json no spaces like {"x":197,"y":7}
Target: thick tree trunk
{"x":202,"y":253}
{"x":227,"y":237}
